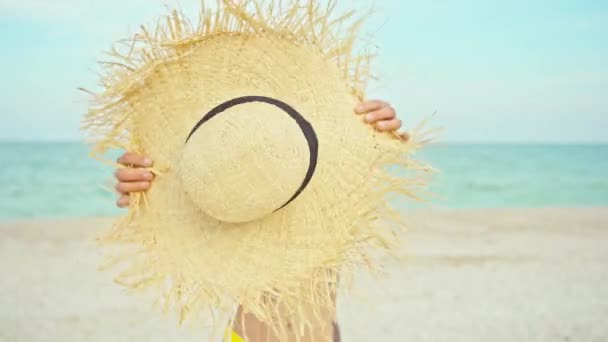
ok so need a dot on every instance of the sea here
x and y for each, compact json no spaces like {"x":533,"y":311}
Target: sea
{"x":59,"y":180}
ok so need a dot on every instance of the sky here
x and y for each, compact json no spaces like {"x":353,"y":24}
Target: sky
{"x":492,"y":71}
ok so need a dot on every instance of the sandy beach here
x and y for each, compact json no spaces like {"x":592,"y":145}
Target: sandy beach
{"x":468,"y":275}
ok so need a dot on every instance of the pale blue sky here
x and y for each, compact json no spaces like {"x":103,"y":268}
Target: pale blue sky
{"x":495,"y":71}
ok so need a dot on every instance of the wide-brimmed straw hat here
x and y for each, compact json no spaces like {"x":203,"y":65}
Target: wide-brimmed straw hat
{"x":267,"y":183}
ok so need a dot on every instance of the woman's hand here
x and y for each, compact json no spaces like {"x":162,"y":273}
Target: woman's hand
{"x":132,"y":178}
{"x":381,"y":115}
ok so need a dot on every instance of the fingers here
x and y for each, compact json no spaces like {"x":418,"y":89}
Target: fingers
{"x":132,"y":178}
{"x":382,"y":114}
{"x":129,"y":187}
{"x":123,"y":201}
{"x":369,"y":106}
{"x":389,"y":125}
{"x":133,"y":175}
{"x":135,"y":160}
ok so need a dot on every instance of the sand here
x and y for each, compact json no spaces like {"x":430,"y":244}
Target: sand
{"x":469,"y":275}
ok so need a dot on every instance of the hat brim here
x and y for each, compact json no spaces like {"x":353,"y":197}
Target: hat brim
{"x":292,"y":256}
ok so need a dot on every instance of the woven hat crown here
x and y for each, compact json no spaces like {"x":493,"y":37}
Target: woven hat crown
{"x":247,"y":158}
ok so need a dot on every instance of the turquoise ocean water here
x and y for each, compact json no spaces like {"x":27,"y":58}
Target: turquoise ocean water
{"x":59,"y":180}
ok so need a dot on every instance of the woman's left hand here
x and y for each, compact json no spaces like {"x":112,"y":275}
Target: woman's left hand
{"x":381,"y":115}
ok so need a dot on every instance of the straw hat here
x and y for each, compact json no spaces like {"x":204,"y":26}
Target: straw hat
{"x":267,"y":183}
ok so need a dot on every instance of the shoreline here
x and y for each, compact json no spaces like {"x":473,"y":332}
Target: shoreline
{"x":420,"y":208}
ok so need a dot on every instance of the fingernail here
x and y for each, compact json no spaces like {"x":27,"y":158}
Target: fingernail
{"x":146,"y":185}
{"x":147,"y":162}
{"x":359,"y":108}
{"x":123,"y":202}
{"x":369,"y":117}
{"x":148,"y":175}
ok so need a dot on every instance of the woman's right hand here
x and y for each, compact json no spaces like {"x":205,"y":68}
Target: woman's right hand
{"x":132,"y":178}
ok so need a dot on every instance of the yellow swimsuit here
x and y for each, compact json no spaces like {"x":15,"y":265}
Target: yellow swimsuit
{"x":231,"y":336}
